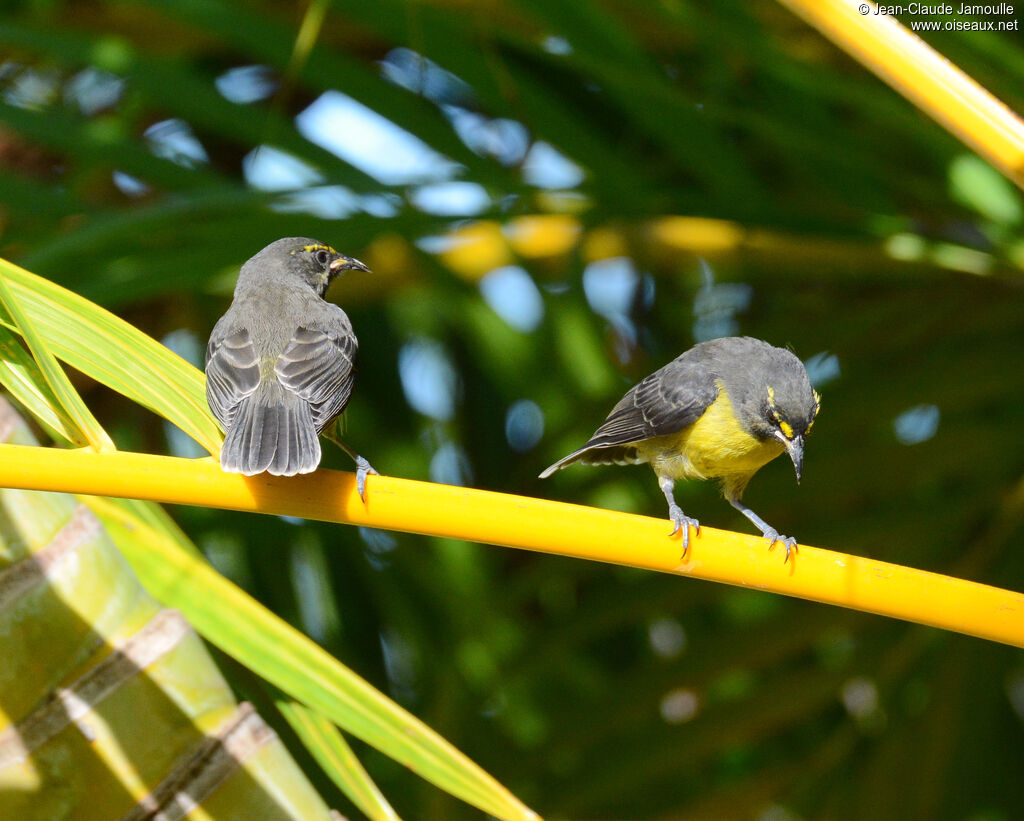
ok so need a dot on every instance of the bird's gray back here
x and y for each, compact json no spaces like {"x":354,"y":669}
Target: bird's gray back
{"x":273,"y":309}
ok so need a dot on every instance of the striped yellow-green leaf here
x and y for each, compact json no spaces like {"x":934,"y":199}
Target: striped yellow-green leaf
{"x":333,"y":753}
{"x":240,"y":626}
{"x":80,"y":421}
{"x":108,"y":349}
{"x":21,"y":376}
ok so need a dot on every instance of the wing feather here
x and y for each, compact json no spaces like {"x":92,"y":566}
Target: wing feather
{"x":232,"y":373}
{"x":665,"y":402}
{"x":319,"y":367}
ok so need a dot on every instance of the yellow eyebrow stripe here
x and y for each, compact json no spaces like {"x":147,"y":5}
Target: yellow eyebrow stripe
{"x":318,"y":247}
{"x":786,"y":428}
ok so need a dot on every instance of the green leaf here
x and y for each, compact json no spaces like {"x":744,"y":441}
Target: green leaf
{"x":103,"y":143}
{"x":23,"y":379}
{"x":229,"y":618}
{"x":79,"y":421}
{"x":183,"y":92}
{"x":976,"y":184}
{"x":328,"y":746}
{"x":108,"y":349}
{"x":150,"y":514}
{"x":269,"y":38}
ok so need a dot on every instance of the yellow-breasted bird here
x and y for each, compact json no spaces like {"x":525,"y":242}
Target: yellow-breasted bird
{"x":722,"y":410}
{"x":280,"y":363}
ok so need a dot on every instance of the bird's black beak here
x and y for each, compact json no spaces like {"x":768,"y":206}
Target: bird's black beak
{"x":347,"y":264}
{"x":795,"y":449}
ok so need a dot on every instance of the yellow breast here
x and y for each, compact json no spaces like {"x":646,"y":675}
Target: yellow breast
{"x":716,"y":445}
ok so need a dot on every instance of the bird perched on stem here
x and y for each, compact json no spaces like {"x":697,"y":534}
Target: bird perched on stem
{"x":280,"y":362}
{"x":722,"y":410}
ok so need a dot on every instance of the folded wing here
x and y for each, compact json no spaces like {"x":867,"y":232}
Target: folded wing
{"x":663,"y":403}
{"x":319,"y":367}
{"x":232,"y":373}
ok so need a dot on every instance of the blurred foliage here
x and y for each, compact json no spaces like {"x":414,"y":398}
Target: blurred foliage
{"x":856,"y":229}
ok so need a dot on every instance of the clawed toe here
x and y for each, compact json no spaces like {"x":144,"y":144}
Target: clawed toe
{"x":363,"y":469}
{"x":683,"y":523}
{"x":773,"y":536}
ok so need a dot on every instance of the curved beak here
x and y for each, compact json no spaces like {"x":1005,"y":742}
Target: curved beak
{"x":795,"y":449}
{"x":347,"y":264}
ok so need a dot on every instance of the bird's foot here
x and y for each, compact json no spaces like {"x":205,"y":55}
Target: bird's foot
{"x":363,"y":469}
{"x":682,"y":522}
{"x":773,"y":536}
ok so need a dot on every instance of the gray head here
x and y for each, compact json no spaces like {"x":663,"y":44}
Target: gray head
{"x":298,"y":259}
{"x":774,"y":396}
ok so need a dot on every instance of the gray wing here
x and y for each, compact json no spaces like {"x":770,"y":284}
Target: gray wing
{"x":319,"y":367}
{"x":665,"y":402}
{"x":232,"y":373}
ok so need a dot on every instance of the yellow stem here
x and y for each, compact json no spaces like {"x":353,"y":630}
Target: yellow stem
{"x":531,"y":524}
{"x":923,"y":76}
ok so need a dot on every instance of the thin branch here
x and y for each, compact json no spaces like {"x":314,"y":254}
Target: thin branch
{"x":532,"y":524}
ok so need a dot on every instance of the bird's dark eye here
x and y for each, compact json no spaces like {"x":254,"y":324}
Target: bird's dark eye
{"x":322,"y":257}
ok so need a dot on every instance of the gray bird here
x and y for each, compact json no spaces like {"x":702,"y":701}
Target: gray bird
{"x":280,"y":363}
{"x":722,"y":410}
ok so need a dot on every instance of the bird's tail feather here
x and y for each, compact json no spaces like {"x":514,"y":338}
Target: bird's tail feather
{"x":271,"y":434}
{"x":561,"y":463}
{"x":590,"y":455}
